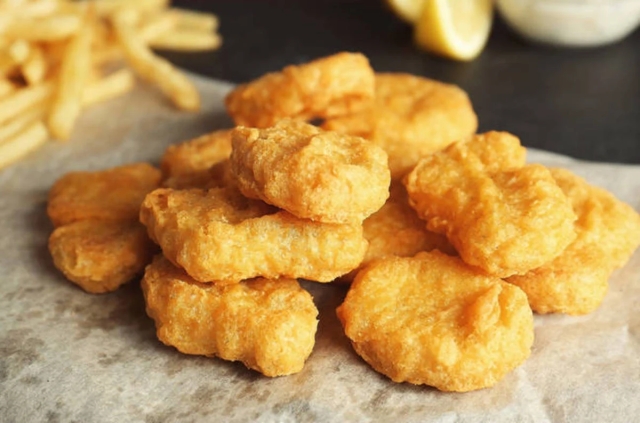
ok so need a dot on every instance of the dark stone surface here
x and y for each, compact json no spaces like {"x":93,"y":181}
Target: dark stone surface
{"x":581,"y":102}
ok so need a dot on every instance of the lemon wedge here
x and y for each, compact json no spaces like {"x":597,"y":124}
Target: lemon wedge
{"x":407,"y":10}
{"x":457,"y":29}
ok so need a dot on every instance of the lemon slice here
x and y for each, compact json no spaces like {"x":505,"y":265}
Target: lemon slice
{"x":457,"y":29}
{"x":407,"y":10}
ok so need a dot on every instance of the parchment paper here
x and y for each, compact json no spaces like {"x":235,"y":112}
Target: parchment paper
{"x":67,"y":356}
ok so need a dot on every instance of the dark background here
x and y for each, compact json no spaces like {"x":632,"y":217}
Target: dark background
{"x":581,"y":102}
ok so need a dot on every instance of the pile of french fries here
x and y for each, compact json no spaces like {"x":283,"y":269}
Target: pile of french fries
{"x":58,"y":57}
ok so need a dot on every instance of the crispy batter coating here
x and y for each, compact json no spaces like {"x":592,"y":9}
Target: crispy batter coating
{"x":313,"y":174}
{"x":501,"y":216}
{"x":221,"y":175}
{"x":410,"y":118}
{"x":396,"y":230}
{"x":112,"y":194}
{"x":218,"y":234}
{"x":326,"y":87}
{"x":269,"y":325}
{"x":608,"y":231}
{"x":432,"y":319}
{"x":188,"y":164}
{"x":101,"y":255}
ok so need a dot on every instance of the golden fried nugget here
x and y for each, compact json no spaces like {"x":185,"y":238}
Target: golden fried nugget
{"x":101,"y":255}
{"x":269,"y":325}
{"x":222,"y":176}
{"x":410,"y":118}
{"x":501,"y":216}
{"x":112,"y":194}
{"x":313,"y":174}
{"x":326,"y":87}
{"x":432,"y":319}
{"x":608,"y":231}
{"x":187,"y":165}
{"x":219,"y":175}
{"x":218,"y":234}
{"x":396,"y":230}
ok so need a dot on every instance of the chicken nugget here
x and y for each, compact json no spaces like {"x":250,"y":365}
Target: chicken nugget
{"x":101,"y":255}
{"x":396,"y":230}
{"x":112,"y":194}
{"x":410,"y":118}
{"x":269,"y":325}
{"x":608,"y":231}
{"x":219,"y":234}
{"x":431,"y":319}
{"x":313,"y":174}
{"x":330,"y":86}
{"x":501,"y":216}
{"x":188,"y":164}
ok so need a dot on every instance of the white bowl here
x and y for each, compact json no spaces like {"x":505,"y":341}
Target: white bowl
{"x":574,"y":23}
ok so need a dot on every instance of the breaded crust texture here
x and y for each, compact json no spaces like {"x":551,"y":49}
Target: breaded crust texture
{"x":411,"y":117}
{"x":218,"y":234}
{"x":101,"y":255}
{"x":396,"y":230}
{"x":326,"y":87}
{"x":112,"y":194}
{"x":313,"y":174}
{"x":432,"y":319}
{"x":269,"y":325}
{"x":501,"y":215}
{"x":98,"y":242}
{"x":608,"y":231}
{"x":188,"y":164}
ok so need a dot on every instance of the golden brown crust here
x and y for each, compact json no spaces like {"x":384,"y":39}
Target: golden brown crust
{"x":188,"y":164}
{"x":112,"y":194}
{"x":269,"y":325}
{"x":502,"y":216}
{"x":411,"y":117}
{"x":326,"y":87}
{"x":100,"y":255}
{"x":434,"y":320}
{"x":396,"y":230}
{"x":608,"y":231}
{"x":313,"y":174}
{"x":218,"y":234}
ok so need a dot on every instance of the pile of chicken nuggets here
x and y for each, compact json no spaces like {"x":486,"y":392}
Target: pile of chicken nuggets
{"x":449,"y":239}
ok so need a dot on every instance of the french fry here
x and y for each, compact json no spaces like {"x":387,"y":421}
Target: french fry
{"x":19,"y":51}
{"x":156,"y":26}
{"x":109,"y":87}
{"x":20,"y":122}
{"x":153,"y":68}
{"x":23,"y":143}
{"x":50,"y":28}
{"x":8,"y":5}
{"x":74,"y":72}
{"x":31,"y":9}
{"x":34,"y":69}
{"x":101,"y":33}
{"x":112,"y":53}
{"x":7,"y":65}
{"x":195,"y":21}
{"x":24,"y":99}
{"x":95,"y":75}
{"x":54,"y":55}
{"x":111,"y":7}
{"x":187,"y":41}
{"x":6,"y":87}
{"x":54,"y":52}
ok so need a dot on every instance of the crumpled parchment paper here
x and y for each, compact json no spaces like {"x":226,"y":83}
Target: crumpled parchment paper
{"x":67,"y":356}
